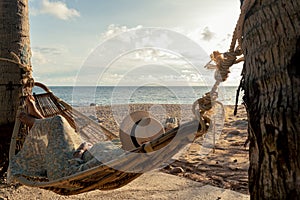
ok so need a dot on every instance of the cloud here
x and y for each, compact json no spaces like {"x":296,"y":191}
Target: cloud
{"x":152,"y":44}
{"x":209,"y":40}
{"x":50,"y":50}
{"x":114,"y":30}
{"x":53,"y":60}
{"x":42,"y":56}
{"x":57,"y":9}
{"x":38,"y":58}
{"x":207,"y":34}
{"x":163,"y":57}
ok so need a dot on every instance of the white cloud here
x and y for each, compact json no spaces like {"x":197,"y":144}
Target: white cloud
{"x":207,"y":34}
{"x":114,"y":30}
{"x":160,"y":44}
{"x":144,"y":64}
{"x":42,"y":56}
{"x":57,"y":9}
{"x":54,"y":65}
{"x":209,"y":40}
{"x":38,"y":58}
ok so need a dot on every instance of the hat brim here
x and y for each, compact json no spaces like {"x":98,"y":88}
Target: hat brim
{"x":137,"y":128}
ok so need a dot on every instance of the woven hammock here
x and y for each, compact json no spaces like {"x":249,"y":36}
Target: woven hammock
{"x":105,"y":176}
{"x":108,"y":175}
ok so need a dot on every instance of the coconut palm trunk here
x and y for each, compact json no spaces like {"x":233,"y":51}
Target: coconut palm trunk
{"x":271,"y":46}
{"x":14,"y":37}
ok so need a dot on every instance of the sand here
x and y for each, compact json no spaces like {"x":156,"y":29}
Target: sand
{"x":224,"y":167}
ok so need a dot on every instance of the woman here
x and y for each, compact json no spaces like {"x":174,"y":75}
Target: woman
{"x":53,"y":149}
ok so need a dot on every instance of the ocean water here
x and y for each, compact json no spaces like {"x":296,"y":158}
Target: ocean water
{"x":110,"y":95}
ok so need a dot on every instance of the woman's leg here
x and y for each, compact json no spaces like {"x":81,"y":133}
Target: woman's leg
{"x":30,"y":160}
{"x":59,"y":138}
{"x":31,"y":108}
{"x":32,"y":112}
{"x":62,"y":142}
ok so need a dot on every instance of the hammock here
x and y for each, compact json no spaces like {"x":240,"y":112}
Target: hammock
{"x":107,"y":176}
{"x":127,"y":167}
{"x":130,"y":165}
{"x":110,"y":175}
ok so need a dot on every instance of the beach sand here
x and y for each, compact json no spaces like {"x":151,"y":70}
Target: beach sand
{"x":224,"y":166}
{"x":227,"y":165}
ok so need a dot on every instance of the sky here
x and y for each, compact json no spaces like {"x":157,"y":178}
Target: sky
{"x":101,"y":42}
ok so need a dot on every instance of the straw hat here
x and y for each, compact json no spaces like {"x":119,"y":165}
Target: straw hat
{"x":137,"y":128}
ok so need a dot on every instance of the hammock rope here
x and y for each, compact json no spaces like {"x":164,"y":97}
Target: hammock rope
{"x":238,"y":31}
{"x":27,"y":80}
{"x":223,"y":62}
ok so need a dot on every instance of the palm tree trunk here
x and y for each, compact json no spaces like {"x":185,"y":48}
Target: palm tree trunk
{"x":271,"y":46}
{"x":14,"y":37}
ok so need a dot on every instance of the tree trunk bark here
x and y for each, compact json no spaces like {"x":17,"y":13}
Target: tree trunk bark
{"x":14,"y":37}
{"x":271,"y":46}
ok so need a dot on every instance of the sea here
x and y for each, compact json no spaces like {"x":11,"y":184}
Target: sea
{"x":80,"y":96}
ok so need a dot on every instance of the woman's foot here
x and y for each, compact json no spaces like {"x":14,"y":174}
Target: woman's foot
{"x":81,"y":149}
{"x":26,"y":119}
{"x":31,"y":108}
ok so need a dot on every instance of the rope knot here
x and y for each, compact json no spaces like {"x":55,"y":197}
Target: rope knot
{"x":27,"y":81}
{"x":204,"y":103}
{"x":223,"y":62}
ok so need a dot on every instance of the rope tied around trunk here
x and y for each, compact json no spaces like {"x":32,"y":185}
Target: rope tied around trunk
{"x":223,"y":61}
{"x":238,"y":31}
{"x":27,"y":81}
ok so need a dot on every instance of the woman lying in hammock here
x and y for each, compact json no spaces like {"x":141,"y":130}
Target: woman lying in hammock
{"x":53,"y":149}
